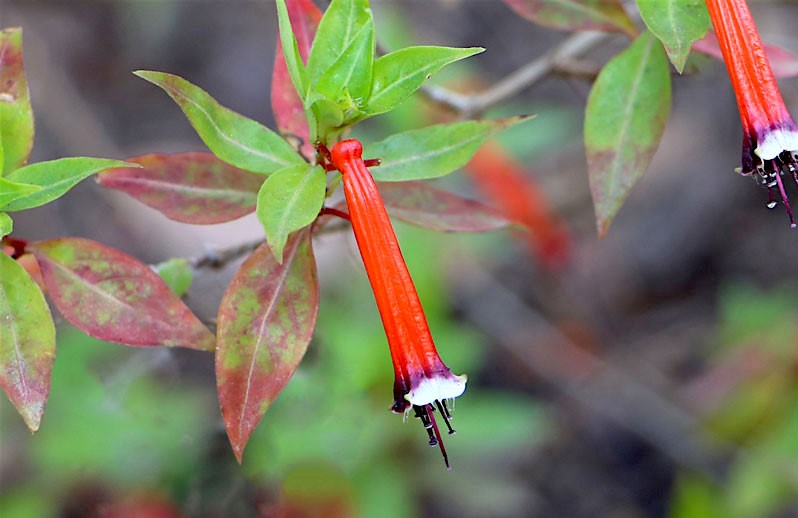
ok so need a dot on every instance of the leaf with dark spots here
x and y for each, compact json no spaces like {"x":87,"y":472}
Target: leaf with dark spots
{"x":16,"y":114}
{"x":194,"y":187}
{"x":625,"y":117}
{"x":575,"y":15}
{"x":112,"y":296}
{"x":286,"y":104}
{"x":27,"y":342}
{"x":266,"y":320}
{"x":422,"y":205}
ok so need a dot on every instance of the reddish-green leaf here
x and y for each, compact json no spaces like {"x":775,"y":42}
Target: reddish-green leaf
{"x":575,"y":15}
{"x":626,"y":114}
{"x":266,"y":320}
{"x":27,"y":342}
{"x":196,"y":187}
{"x":16,"y":115}
{"x":420,"y":204}
{"x":783,"y":62}
{"x":112,"y":296}
{"x":287,"y":106}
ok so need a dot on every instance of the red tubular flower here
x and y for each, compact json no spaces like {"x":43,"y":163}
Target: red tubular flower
{"x":422,"y":379}
{"x":770,"y":137}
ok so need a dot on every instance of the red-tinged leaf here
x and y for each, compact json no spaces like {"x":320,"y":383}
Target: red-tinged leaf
{"x":112,"y":296}
{"x":16,"y":114}
{"x":575,"y":15}
{"x":196,"y":187}
{"x":509,"y":186}
{"x":288,"y":110}
{"x":27,"y":342}
{"x":266,"y":320}
{"x":625,"y":118}
{"x":783,"y":62}
{"x":420,"y":204}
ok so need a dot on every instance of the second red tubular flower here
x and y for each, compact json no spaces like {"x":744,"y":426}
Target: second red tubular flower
{"x":770,"y":136}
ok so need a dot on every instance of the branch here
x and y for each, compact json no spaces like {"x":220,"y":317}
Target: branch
{"x":533,"y":72}
{"x":215,"y":259}
{"x":595,"y":383}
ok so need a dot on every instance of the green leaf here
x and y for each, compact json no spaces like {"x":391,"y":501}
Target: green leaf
{"x":112,"y":296}
{"x":266,"y":319}
{"x":10,"y":191}
{"x":348,"y":80}
{"x":6,"y":225}
{"x":398,"y":74}
{"x":677,"y":23}
{"x":2,"y":154}
{"x":55,"y":178}
{"x":293,"y":60}
{"x":344,"y":23}
{"x":16,"y":114}
{"x":289,"y":200}
{"x":575,"y":15}
{"x":324,"y":117}
{"x":177,"y":274}
{"x":625,"y":117}
{"x":694,"y":496}
{"x":433,"y":151}
{"x":236,"y":139}
{"x":27,"y":342}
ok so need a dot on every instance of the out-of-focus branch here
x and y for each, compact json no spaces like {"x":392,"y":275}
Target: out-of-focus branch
{"x":562,"y":56}
{"x":596,"y":384}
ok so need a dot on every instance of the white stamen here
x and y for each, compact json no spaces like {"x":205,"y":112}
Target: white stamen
{"x":439,"y":387}
{"x":775,"y":142}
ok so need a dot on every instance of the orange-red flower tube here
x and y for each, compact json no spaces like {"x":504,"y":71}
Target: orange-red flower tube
{"x":770,"y":137}
{"x":422,"y":380}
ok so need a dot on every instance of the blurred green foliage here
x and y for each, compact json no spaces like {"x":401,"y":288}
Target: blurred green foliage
{"x":133,"y":420}
{"x":757,"y":419}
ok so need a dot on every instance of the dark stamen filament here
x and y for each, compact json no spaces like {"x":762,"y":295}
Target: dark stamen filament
{"x":421,"y":413}
{"x":426,"y":415}
{"x":430,"y":410}
{"x":446,"y":415}
{"x":784,"y":198}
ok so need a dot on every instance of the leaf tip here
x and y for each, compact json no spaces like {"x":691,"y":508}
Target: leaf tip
{"x":238,"y":449}
{"x":603,"y":226}
{"x":277,"y":250}
{"x":147,"y":75}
